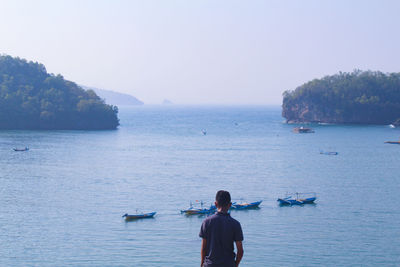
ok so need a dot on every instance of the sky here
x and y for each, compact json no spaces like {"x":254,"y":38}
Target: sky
{"x":202,"y":51}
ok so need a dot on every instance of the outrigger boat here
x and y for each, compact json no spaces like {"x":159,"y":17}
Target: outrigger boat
{"x":199,"y":211}
{"x":243,"y":206}
{"x":298,"y":199}
{"x":21,"y":149}
{"x":138,"y":216}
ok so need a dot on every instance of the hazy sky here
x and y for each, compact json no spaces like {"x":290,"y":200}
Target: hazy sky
{"x":202,"y":52}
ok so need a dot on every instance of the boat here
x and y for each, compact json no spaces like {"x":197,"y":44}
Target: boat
{"x":328,"y":152}
{"x":392,"y":126}
{"x":204,"y":132}
{"x":298,"y":199}
{"x":243,"y":206}
{"x":393,"y":142}
{"x":138,"y":216}
{"x":21,"y":149}
{"x":303,"y":130}
{"x":199,"y":211}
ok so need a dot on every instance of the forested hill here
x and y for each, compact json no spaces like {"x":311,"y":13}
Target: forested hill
{"x":364,"y":97}
{"x":31,"y":98}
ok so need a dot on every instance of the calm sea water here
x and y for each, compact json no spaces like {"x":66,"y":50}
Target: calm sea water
{"x":61,"y":202}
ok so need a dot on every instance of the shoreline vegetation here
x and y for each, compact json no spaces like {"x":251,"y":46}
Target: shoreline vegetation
{"x":359,"y":97}
{"x":32,"y":99}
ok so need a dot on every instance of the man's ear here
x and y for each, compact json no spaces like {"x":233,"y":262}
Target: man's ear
{"x":216,"y":204}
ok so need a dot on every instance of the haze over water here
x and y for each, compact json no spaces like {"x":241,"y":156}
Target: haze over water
{"x":62,"y":201}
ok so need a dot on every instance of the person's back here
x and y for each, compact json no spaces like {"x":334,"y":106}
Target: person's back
{"x":218,"y":233}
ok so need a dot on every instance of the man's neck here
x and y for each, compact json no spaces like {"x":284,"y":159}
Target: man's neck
{"x":223,"y":210}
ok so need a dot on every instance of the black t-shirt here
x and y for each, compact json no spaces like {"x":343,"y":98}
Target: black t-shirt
{"x":220,"y":230}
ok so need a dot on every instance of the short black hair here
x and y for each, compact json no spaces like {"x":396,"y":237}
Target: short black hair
{"x":223,"y":198}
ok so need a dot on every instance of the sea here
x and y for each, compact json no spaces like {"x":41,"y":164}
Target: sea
{"x":61,"y":202}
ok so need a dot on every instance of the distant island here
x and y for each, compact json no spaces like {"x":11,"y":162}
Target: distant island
{"x":31,"y":98}
{"x":115,"y":98}
{"x":359,"y":97}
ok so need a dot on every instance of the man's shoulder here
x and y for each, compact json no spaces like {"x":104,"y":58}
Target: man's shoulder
{"x":234,"y":221}
{"x":211,"y":218}
{"x":217,"y":216}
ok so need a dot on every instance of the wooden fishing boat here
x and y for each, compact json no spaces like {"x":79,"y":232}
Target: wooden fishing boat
{"x":199,"y":211}
{"x":21,"y":149}
{"x":196,"y":211}
{"x":138,"y":216}
{"x":298,"y":199}
{"x":243,"y":206}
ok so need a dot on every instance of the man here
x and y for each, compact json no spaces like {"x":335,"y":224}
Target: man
{"x":218,"y":233}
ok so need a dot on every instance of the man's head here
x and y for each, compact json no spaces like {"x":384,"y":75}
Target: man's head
{"x":223,"y":200}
